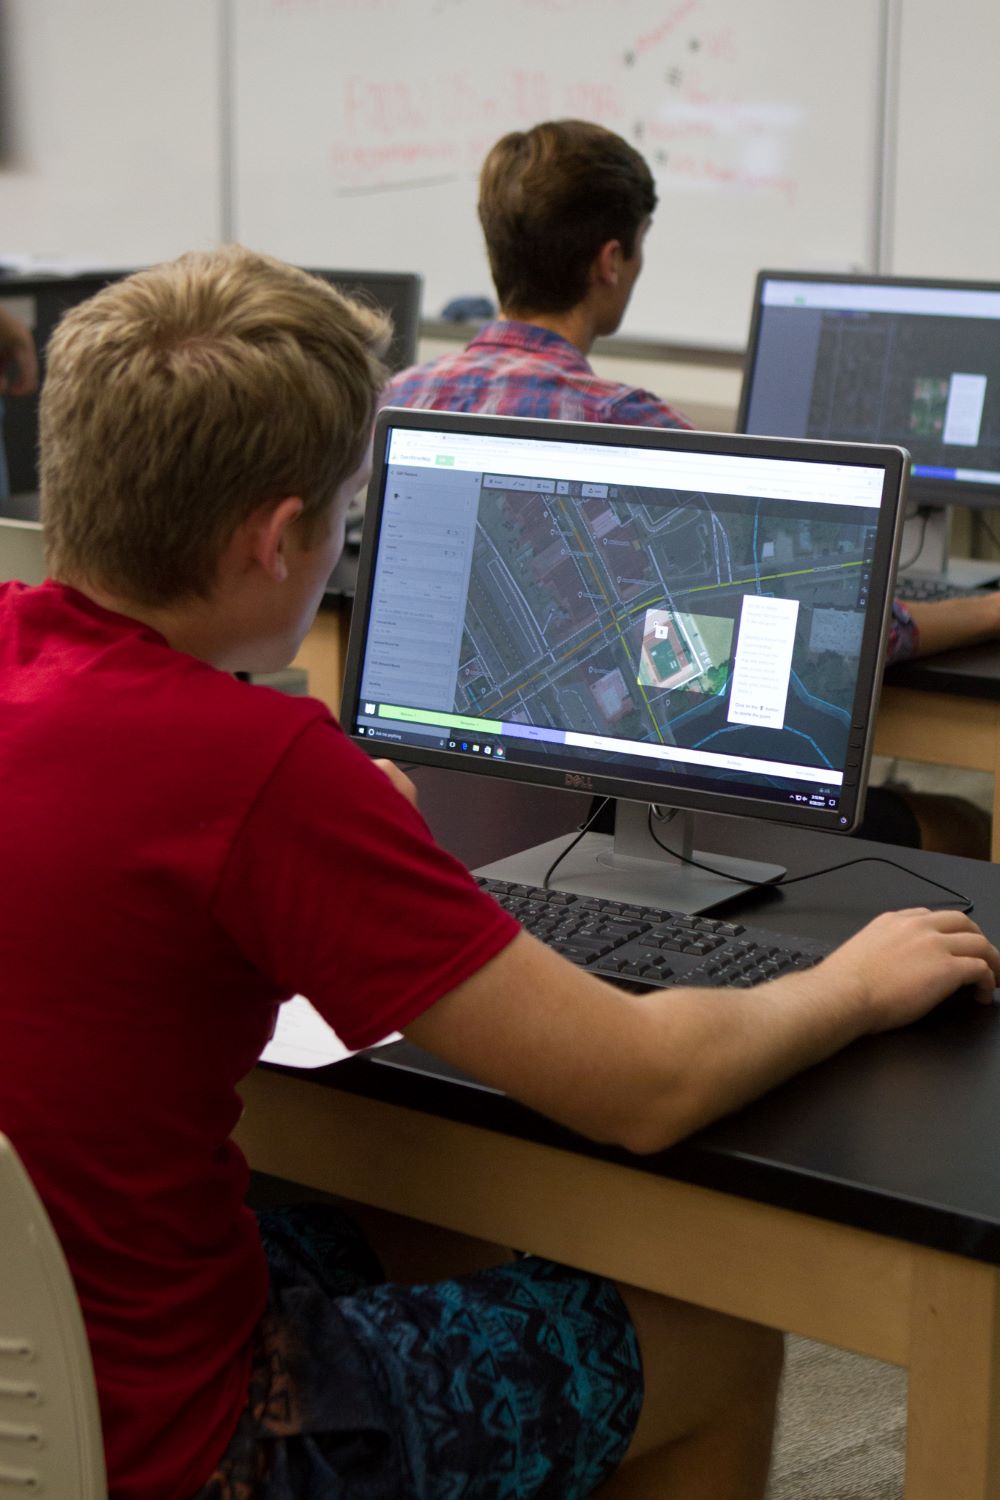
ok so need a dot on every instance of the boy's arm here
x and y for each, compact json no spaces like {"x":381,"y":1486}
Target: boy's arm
{"x":944,"y":624}
{"x":644,"y":1071}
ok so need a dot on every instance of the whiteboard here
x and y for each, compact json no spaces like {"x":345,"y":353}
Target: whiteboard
{"x":359,"y":127}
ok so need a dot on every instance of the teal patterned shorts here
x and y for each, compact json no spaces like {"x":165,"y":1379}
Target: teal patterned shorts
{"x":520,"y":1381}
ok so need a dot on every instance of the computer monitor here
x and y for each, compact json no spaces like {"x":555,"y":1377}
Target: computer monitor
{"x":691,"y":620}
{"x":396,"y":292}
{"x":39,"y":301}
{"x":883,"y":359}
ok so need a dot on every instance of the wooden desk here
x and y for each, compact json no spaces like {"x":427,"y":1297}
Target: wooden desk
{"x":324,"y":652}
{"x":858,"y":1204}
{"x":945,"y":710}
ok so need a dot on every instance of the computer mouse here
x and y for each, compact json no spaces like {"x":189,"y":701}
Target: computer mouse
{"x":961,"y":1008}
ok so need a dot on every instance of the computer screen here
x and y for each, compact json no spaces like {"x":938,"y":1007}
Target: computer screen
{"x":883,"y":360}
{"x":687,"y":619}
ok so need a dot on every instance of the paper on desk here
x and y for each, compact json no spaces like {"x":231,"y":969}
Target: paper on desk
{"x":302,"y":1039}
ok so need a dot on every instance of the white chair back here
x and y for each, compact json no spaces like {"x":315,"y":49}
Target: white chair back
{"x":50,"y":1428}
{"x":21,"y":551}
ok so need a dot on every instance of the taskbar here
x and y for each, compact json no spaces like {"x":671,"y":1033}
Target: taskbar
{"x":759,"y":786}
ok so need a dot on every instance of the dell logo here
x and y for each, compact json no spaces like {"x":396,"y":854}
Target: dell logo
{"x":577,"y":782}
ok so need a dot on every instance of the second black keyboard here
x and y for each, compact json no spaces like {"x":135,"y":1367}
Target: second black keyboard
{"x":643,"y":947}
{"x":915,"y":589}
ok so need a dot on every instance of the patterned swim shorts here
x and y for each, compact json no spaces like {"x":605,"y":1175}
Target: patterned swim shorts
{"x":516,"y":1382}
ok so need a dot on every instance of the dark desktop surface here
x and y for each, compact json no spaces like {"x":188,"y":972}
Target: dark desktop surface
{"x":971,"y":672}
{"x":894,"y":1135}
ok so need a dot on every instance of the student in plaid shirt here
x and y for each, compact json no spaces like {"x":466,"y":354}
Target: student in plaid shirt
{"x":565,"y":209}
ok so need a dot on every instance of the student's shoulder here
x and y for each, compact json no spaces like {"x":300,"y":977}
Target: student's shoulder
{"x":635,"y":407}
{"x":241,"y":718}
{"x":421,"y":384}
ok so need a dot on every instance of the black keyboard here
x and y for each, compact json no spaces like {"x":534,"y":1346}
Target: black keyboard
{"x":643,"y":947}
{"x":928,"y":590}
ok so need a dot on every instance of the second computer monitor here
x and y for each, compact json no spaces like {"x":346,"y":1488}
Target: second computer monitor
{"x":883,"y":359}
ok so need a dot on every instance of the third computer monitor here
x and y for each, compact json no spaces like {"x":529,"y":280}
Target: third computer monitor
{"x":886,"y":360}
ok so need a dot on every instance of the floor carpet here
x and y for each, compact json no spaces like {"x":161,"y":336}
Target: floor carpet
{"x":841,"y":1427}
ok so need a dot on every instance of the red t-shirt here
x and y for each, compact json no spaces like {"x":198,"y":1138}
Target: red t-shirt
{"x":181,"y":852}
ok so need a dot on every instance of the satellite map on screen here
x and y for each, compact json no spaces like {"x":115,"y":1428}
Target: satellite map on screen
{"x":666,"y":616}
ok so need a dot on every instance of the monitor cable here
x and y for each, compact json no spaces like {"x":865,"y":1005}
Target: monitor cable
{"x":924,"y":515}
{"x":584,"y":827}
{"x":667,"y":816}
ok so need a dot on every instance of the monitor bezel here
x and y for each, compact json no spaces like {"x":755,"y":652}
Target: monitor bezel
{"x":923,"y":490}
{"x":894,"y":461}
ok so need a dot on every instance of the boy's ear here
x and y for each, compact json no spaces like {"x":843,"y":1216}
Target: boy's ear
{"x":607,"y":263}
{"x":265,"y":535}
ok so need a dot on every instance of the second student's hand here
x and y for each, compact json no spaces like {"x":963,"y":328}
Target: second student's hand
{"x":905,"y":962}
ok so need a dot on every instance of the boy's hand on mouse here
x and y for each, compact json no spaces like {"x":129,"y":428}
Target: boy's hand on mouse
{"x":904,"y":962}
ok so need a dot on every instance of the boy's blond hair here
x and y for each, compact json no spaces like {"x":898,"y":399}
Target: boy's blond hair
{"x":179,"y":399}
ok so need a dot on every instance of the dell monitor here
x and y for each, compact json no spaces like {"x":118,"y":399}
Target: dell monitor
{"x":687,"y":620}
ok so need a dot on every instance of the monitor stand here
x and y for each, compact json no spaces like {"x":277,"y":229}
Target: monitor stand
{"x":633,"y":867}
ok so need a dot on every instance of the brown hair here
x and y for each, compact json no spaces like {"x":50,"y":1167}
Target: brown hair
{"x":179,"y":399}
{"x":549,"y":198}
